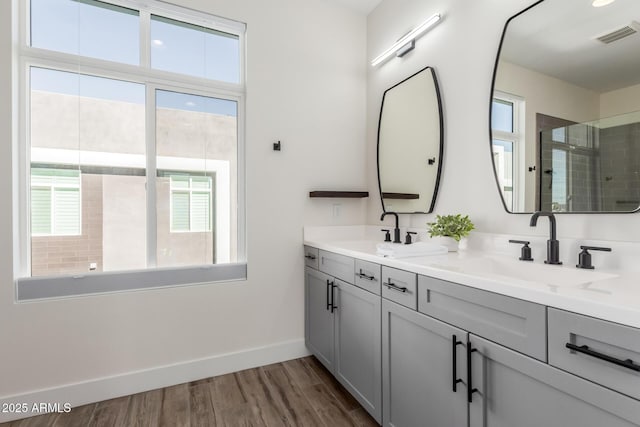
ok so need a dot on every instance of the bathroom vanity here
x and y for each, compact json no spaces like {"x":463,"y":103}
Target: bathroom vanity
{"x":477,"y":338}
{"x":461,"y":340}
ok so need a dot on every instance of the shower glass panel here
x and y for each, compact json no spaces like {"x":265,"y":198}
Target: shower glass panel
{"x":591,"y":167}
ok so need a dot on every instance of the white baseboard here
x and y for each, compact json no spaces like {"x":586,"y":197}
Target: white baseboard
{"x":96,"y":390}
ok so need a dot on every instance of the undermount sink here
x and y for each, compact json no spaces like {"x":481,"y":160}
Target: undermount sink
{"x":553,"y":275}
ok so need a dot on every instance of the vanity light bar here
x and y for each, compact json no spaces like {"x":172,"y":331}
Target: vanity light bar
{"x":600,"y":3}
{"x":409,"y":37}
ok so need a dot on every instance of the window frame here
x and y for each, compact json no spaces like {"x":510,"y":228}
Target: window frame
{"x":517,"y":138}
{"x":29,"y":288}
{"x":498,"y":160}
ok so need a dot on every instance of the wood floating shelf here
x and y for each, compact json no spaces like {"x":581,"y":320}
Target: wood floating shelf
{"x":341,"y":194}
{"x":404,"y":196}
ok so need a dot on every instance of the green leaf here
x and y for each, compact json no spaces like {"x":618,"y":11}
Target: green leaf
{"x":456,"y":226}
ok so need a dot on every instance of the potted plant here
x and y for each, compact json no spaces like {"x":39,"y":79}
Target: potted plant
{"x":448,"y":230}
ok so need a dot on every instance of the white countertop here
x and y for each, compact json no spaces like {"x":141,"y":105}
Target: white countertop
{"x":612,"y":295}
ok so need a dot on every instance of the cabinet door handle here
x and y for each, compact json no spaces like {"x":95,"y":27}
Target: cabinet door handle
{"x":328,"y":292}
{"x":454,"y":345}
{"x":312,"y":257}
{"x":333,"y":297}
{"x":395,"y":287}
{"x":364,"y":276}
{"x":470,"y":389}
{"x":584,"y":349}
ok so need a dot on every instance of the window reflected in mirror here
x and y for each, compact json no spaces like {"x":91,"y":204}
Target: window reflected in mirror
{"x":506,"y":144}
{"x":565,"y":109}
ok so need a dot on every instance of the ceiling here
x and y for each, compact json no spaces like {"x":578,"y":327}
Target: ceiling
{"x":556,"y":38}
{"x":362,"y":6}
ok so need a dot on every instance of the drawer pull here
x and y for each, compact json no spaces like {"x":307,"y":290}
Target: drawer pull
{"x":333,"y":296}
{"x":364,"y":276}
{"x":395,"y":287}
{"x":329,"y":290}
{"x":470,"y":389}
{"x":311,"y":257}
{"x":629,"y":364}
{"x":454,"y":344}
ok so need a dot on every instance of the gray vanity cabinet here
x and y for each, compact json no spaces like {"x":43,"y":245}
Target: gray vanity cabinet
{"x":404,"y":352}
{"x":358,"y":346}
{"x":516,"y":390}
{"x":419,"y":365}
{"x":514,"y":323}
{"x":342,"y":329}
{"x":603,"y":352}
{"x":311,"y":257}
{"x":400,"y":286}
{"x":319,"y":331}
{"x":336,"y":265}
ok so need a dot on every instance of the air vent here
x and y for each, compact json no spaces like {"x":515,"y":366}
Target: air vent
{"x":620,"y":33}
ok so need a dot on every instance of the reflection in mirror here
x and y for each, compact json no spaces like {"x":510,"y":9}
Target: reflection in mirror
{"x":565,"y":108}
{"x":410,"y":144}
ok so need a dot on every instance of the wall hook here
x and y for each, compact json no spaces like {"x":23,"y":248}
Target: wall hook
{"x":277,"y":146}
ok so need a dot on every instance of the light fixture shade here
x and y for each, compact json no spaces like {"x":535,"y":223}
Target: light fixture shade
{"x":411,"y":35}
{"x":600,"y":3}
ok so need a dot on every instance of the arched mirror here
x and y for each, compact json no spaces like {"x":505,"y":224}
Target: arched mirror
{"x":410,"y":143}
{"x":565,"y":108}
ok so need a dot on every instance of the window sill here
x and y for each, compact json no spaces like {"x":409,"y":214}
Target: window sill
{"x":36,"y":288}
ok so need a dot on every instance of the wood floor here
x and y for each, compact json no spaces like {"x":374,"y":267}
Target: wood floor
{"x":299,"y":392}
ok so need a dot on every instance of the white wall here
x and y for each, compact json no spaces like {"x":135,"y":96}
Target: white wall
{"x":306,"y":86}
{"x":620,"y":101}
{"x":462,"y":49}
{"x":547,"y":95}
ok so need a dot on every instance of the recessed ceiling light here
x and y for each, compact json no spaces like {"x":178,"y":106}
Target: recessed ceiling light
{"x":157,"y":42}
{"x":600,"y":3}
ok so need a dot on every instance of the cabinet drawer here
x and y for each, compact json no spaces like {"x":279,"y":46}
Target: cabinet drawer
{"x":367,"y":276}
{"x":399,"y":286}
{"x":311,"y":257}
{"x":338,"y":266}
{"x":606,"y":344}
{"x":515,"y":391}
{"x":514,"y":323}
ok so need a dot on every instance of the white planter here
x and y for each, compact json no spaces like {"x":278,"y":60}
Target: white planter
{"x":449,"y":242}
{"x":463,"y":244}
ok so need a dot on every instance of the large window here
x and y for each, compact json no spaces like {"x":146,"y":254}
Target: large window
{"x":507,"y":128}
{"x":133,"y":147}
{"x":194,"y":50}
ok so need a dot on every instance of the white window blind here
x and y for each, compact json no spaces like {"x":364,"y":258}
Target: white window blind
{"x":190,"y":203}
{"x":55,"y":202}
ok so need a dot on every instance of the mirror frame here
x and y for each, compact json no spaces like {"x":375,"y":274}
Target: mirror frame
{"x":493,"y":83}
{"x":441,"y":142}
{"x":493,"y":89}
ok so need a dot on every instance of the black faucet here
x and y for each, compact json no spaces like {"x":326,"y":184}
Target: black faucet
{"x":396,"y":231}
{"x":553,"y":246}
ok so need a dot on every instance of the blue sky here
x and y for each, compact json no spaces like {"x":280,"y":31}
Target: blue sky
{"x":98,"y":30}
